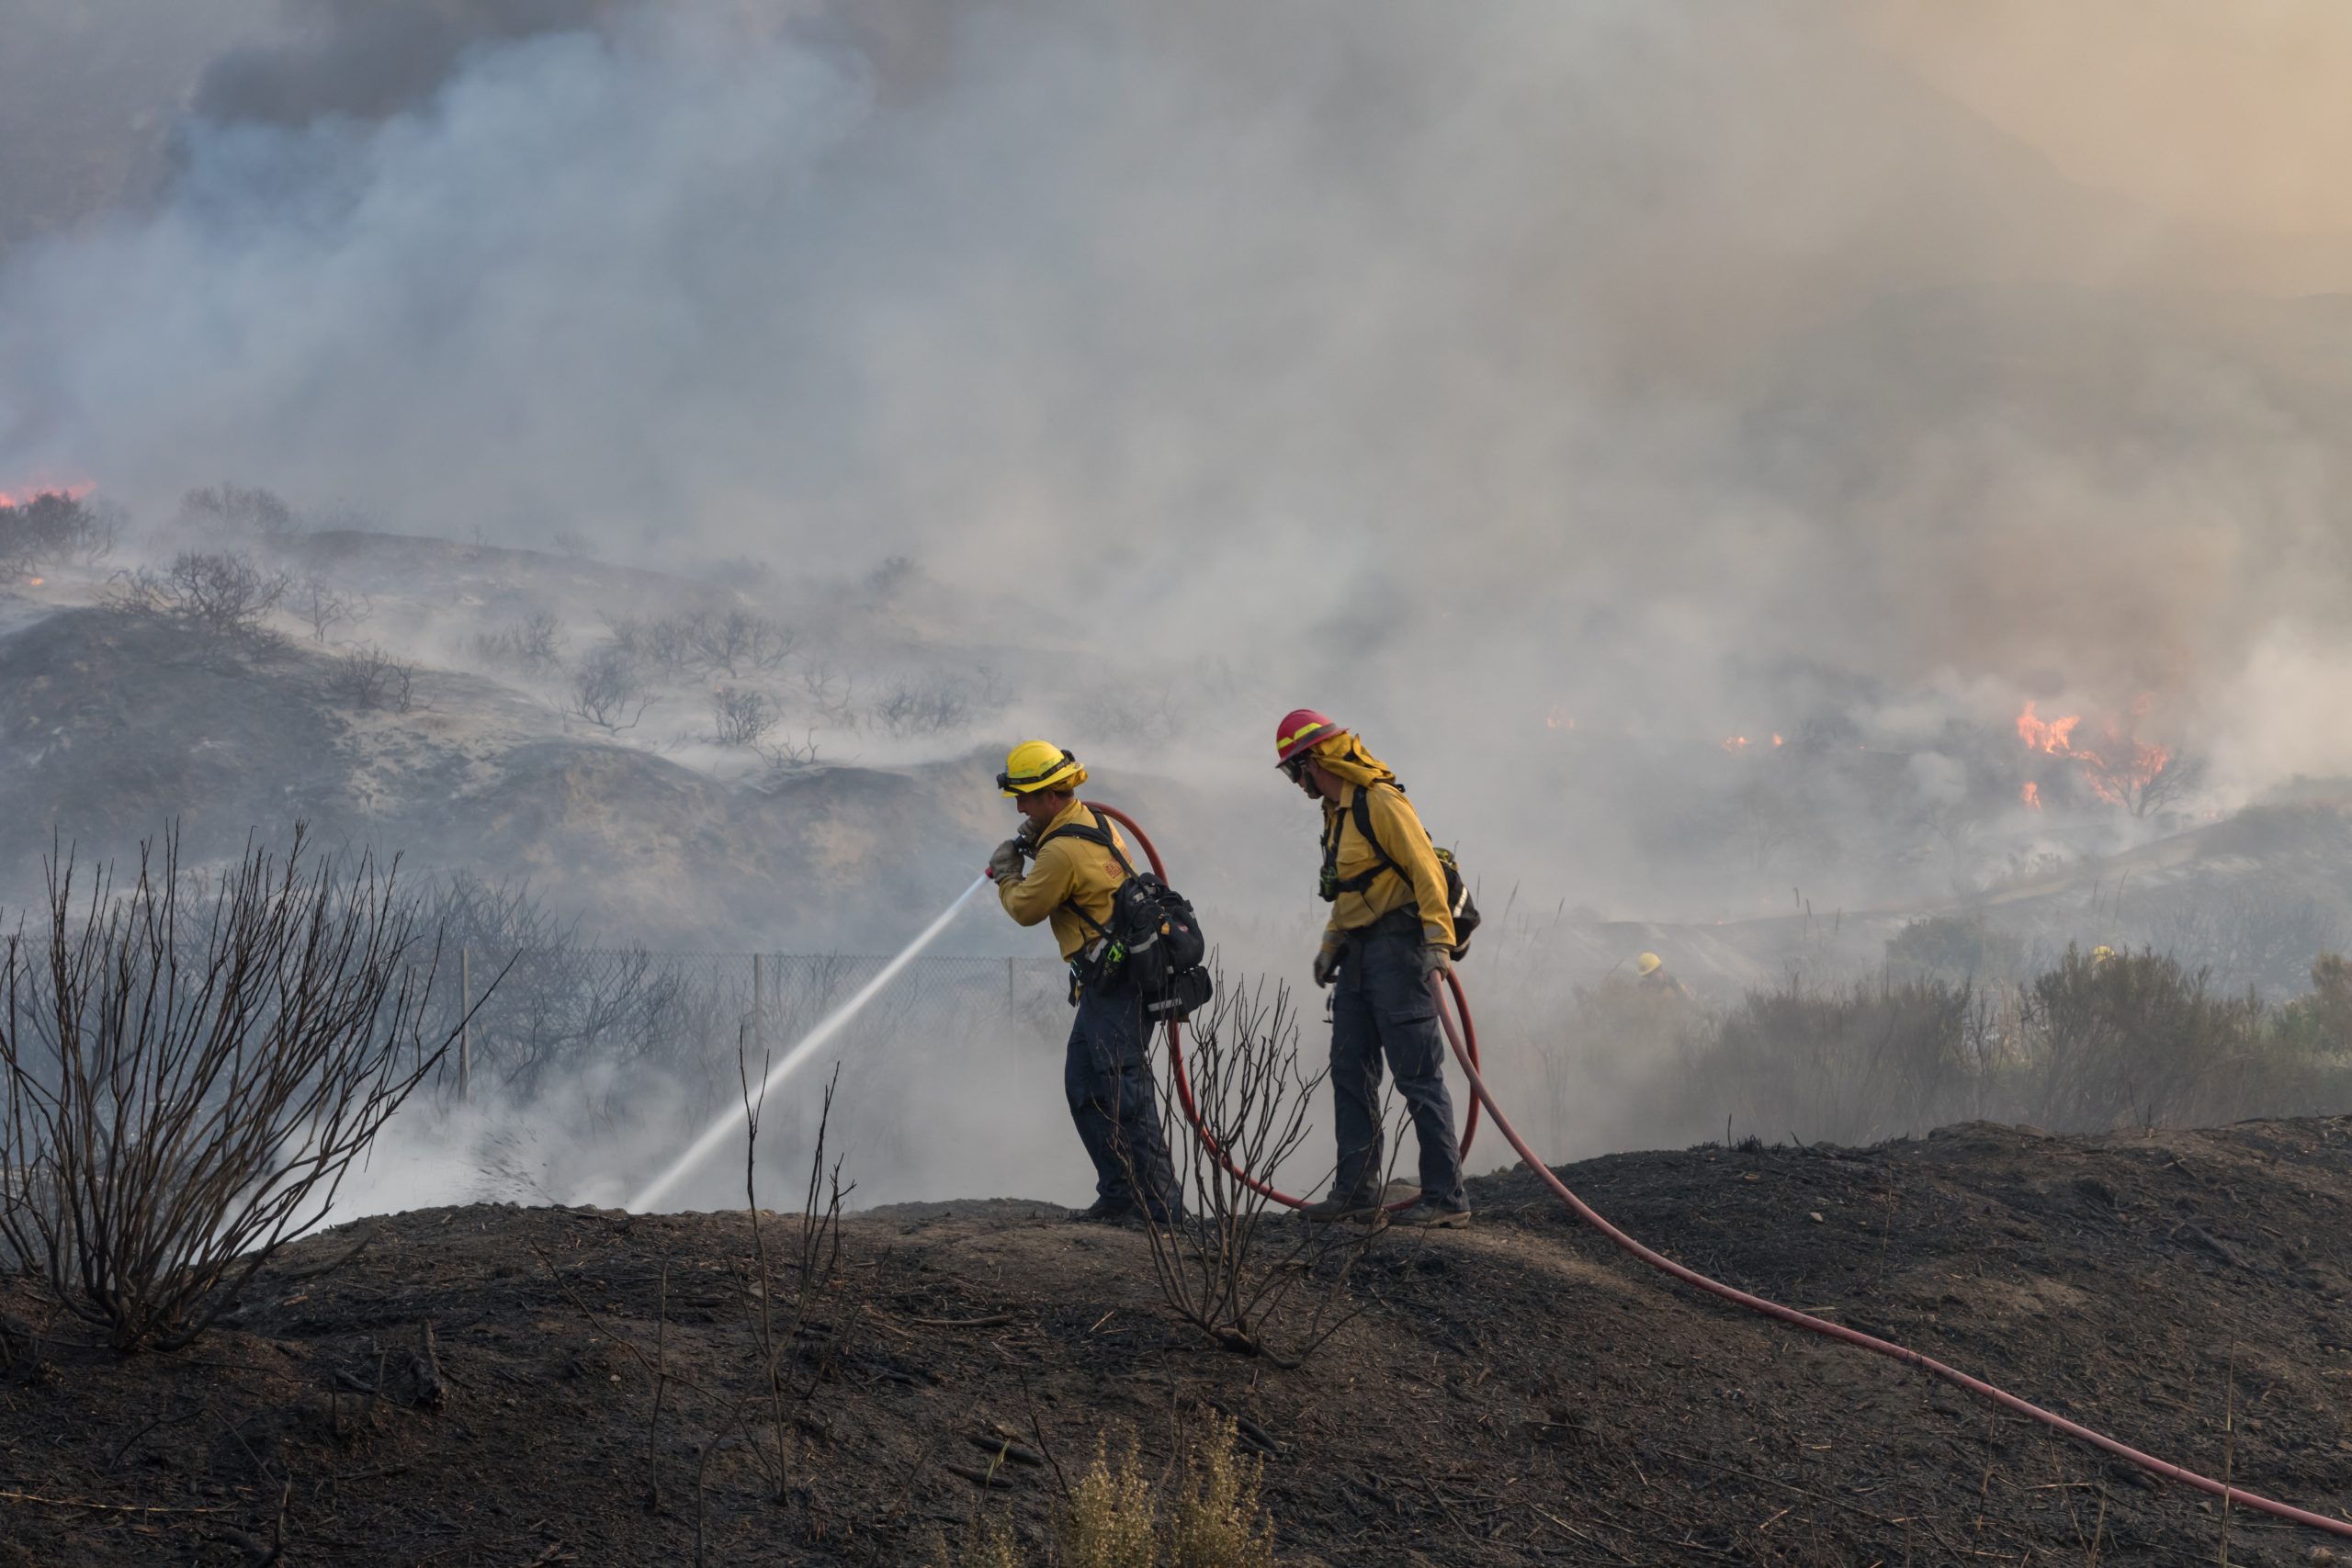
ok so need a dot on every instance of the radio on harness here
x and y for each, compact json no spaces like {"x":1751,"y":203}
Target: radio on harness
{"x":1152,"y":938}
{"x":1463,"y":909}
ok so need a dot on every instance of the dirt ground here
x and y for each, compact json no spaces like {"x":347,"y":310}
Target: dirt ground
{"x":1515,"y":1393}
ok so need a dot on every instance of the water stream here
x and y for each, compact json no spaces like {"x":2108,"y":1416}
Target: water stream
{"x":807,"y":1046}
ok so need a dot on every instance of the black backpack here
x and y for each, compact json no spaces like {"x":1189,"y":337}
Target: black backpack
{"x":1464,"y":908}
{"x":1153,"y":937}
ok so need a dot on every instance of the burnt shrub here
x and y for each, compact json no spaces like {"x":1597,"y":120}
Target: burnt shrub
{"x":322,"y":606}
{"x":734,"y":641}
{"x":608,"y":690}
{"x":187,"y":1072}
{"x":560,"y":1011}
{"x":238,"y":509}
{"x":222,"y":596}
{"x":49,"y":529}
{"x":923,"y":707}
{"x":730,"y":642}
{"x":370,"y":678}
{"x":533,"y":644}
{"x":741,"y":718}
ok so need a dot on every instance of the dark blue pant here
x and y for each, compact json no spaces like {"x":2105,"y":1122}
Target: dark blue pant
{"x":1107,"y":1076}
{"x":1381,"y":1006}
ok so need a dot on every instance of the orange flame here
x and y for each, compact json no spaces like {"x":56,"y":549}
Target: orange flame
{"x":69,"y":491}
{"x":2118,"y":772}
{"x":1558,"y":719}
{"x":1736,"y":744}
{"x":2053,"y":736}
{"x":2031,"y":795}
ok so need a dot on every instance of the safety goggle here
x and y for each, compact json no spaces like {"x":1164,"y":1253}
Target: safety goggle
{"x":1028,"y":781}
{"x":1295,"y":768}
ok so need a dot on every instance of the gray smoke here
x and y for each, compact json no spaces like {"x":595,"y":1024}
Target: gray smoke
{"x":365,"y":60}
{"x":1678,"y":373}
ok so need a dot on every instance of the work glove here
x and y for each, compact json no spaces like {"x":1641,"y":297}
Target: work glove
{"x":1327,"y":964}
{"x":1436,"y":959}
{"x":1004,"y":865}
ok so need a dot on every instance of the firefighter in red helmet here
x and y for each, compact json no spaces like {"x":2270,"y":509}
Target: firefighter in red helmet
{"x":1391,"y":932}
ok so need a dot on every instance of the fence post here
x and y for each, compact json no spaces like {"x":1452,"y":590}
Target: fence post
{"x":465,"y":1023}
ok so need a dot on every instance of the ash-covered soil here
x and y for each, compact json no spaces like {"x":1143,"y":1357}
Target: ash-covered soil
{"x":1515,"y":1393}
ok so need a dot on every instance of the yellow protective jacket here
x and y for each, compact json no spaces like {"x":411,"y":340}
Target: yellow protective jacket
{"x":1067,"y":871}
{"x":1407,"y":844}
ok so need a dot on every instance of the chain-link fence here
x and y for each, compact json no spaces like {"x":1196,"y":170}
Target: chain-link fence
{"x":608,"y":1022}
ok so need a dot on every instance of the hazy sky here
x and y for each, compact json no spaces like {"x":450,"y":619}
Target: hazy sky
{"x":2236,"y":112}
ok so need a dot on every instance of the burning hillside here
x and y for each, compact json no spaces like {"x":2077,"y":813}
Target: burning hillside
{"x":2121,"y":768}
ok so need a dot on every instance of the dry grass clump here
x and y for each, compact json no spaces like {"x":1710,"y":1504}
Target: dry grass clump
{"x":1108,"y":1521}
{"x":992,"y":1544}
{"x":1218,"y":1520}
{"x":1113,"y":1517}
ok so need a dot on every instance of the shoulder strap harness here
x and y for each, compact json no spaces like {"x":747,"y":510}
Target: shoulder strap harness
{"x":1360,"y":810}
{"x":1094,"y":834}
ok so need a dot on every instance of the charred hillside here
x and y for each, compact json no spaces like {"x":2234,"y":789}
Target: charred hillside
{"x":1514,"y":1393}
{"x":120,"y":724}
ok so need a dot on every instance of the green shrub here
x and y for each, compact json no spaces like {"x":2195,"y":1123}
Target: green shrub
{"x":2319,"y":1023}
{"x":2098,"y":1042}
{"x":1958,"y":947}
{"x":2134,"y":1039}
{"x":1849,"y":1066}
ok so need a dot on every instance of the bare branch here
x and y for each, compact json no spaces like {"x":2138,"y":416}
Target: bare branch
{"x":370,"y":678}
{"x":741,"y":718}
{"x":186,"y":1079}
{"x":224,"y":597}
{"x":607,"y":691}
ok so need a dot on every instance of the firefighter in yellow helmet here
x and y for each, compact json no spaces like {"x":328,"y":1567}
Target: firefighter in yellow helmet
{"x":1649,"y":972}
{"x":1077,"y":860}
{"x":1391,"y":930}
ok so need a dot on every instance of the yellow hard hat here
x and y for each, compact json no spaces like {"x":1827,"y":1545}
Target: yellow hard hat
{"x":1039,"y":764}
{"x":2101,"y":953}
{"x":1648,"y":964}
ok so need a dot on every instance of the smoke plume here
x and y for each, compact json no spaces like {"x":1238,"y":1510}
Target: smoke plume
{"x":1681,"y":374}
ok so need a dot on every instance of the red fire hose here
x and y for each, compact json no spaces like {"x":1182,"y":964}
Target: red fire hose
{"x":2229,"y":1494}
{"x":1464,"y":1042}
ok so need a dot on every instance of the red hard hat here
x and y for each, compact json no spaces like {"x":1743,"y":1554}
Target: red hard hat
{"x":1300,"y":728}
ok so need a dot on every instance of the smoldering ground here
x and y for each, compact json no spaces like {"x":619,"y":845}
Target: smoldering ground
{"x":1559,"y":391}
